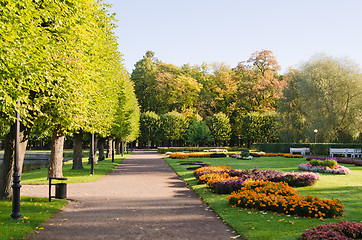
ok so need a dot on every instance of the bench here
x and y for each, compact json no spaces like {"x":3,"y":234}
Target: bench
{"x":346,"y":152}
{"x":302,"y":151}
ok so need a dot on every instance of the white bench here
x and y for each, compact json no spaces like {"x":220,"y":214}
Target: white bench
{"x":345,"y":151}
{"x":302,"y":151}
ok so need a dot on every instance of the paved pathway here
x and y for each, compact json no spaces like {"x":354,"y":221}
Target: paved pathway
{"x":141,"y":199}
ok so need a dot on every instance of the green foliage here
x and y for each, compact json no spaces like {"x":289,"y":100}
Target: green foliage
{"x":150,"y":126}
{"x":325,"y":163}
{"x":198,"y":133}
{"x":325,"y":95}
{"x":255,"y":127}
{"x":173,"y":126}
{"x":219,"y":125}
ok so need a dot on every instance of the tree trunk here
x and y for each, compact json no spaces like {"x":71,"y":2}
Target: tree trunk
{"x":118,"y":146}
{"x":55,"y":168}
{"x":122,"y":148}
{"x":110,"y":148}
{"x":95,"y":161}
{"x":101,"y":149}
{"x":6,"y":173}
{"x":77,"y":150}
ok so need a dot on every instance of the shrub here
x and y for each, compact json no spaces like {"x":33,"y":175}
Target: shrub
{"x":287,"y":155}
{"x":341,"y":230}
{"x":217,"y":155}
{"x":178,"y":156}
{"x":280,"y":197}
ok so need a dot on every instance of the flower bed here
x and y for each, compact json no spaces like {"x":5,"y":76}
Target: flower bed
{"x":336,"y":169}
{"x":288,"y":155}
{"x":230,"y":180}
{"x":341,"y":230}
{"x":280,"y":197}
{"x":189,"y":155}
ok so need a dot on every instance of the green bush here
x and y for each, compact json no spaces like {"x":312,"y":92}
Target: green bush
{"x":325,"y":163}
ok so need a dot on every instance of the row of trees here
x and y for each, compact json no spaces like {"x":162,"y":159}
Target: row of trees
{"x":173,"y":128}
{"x":324,"y":94}
{"x":61,"y":70}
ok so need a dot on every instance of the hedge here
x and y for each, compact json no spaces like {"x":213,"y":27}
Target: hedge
{"x":315,"y":148}
{"x":197,"y":149}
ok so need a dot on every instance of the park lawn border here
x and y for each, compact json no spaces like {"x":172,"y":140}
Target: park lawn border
{"x":102,"y":168}
{"x":35,"y":211}
{"x":255,"y":224}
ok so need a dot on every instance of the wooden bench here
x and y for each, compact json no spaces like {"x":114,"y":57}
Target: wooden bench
{"x":346,"y":152}
{"x":302,"y":151}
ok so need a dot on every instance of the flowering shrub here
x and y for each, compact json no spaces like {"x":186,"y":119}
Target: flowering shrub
{"x":337,"y":169}
{"x":178,"y":156}
{"x":287,"y":155}
{"x":187,"y":155}
{"x":211,"y":169}
{"x":269,"y":155}
{"x":230,"y":180}
{"x":296,"y":179}
{"x":341,"y":230}
{"x":280,"y":197}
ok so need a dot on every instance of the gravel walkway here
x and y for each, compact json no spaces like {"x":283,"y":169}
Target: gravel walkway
{"x":141,"y":199}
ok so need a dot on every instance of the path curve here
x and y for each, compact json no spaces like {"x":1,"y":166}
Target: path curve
{"x":142,"y":198}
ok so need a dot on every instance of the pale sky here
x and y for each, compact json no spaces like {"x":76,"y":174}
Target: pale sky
{"x":197,"y":31}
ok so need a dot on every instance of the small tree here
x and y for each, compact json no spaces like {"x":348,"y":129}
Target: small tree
{"x":173,"y":126}
{"x":220,"y":127}
{"x":149,"y":127}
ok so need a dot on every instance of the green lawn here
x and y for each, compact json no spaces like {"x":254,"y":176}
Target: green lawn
{"x":36,"y":211}
{"x":39,"y":176}
{"x":254,"y":224}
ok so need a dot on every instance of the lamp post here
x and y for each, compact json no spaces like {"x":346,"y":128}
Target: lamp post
{"x":315,"y":135}
{"x":16,"y":215}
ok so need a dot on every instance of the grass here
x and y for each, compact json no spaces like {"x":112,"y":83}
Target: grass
{"x":255,"y":224}
{"x":36,"y":211}
{"x":39,"y":176}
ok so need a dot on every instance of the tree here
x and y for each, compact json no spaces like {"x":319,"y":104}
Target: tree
{"x":219,"y":125}
{"x":330,"y":90}
{"x":175,"y":90}
{"x":259,"y":83}
{"x":143,"y":77}
{"x":198,"y":132}
{"x":149,"y":127}
{"x":173,"y":126}
{"x":126,"y":124}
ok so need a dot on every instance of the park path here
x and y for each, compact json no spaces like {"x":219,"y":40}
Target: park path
{"x":142,"y":198}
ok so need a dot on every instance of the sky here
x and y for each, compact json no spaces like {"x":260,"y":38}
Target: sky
{"x":196,"y":31}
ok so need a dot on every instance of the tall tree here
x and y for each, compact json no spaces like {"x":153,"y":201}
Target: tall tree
{"x":143,"y":77}
{"x":330,"y":90}
{"x":259,"y":83}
